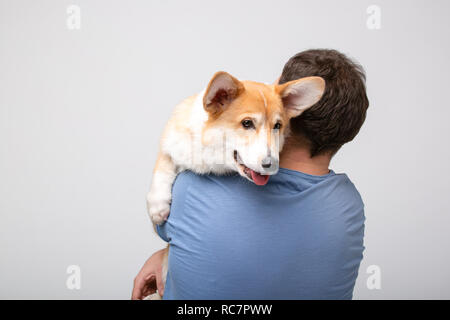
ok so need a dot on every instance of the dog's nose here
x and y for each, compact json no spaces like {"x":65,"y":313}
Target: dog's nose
{"x":266,"y":163}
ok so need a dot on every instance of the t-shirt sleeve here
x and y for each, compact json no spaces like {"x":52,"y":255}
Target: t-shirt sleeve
{"x":179,"y":190}
{"x":163,"y":232}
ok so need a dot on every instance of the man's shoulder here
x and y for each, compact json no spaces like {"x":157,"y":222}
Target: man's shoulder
{"x":337,"y":186}
{"x":345,"y":199}
{"x":188,"y":179}
{"x":348,"y":188}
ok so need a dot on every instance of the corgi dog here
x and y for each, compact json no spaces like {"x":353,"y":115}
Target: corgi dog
{"x":231,"y":126}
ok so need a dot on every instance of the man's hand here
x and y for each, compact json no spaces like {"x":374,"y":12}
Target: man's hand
{"x":150,"y":277}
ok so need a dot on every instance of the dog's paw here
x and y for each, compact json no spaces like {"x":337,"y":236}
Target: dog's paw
{"x":158,"y":211}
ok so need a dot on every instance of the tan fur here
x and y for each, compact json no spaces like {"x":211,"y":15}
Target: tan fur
{"x":250,"y":103}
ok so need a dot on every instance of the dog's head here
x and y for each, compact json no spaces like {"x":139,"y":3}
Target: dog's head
{"x":254,"y":117}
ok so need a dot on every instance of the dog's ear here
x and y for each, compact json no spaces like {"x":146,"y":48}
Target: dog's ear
{"x":299,"y":95}
{"x":221,"y":91}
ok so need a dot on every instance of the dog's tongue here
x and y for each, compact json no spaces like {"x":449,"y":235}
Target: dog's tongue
{"x":259,"y":179}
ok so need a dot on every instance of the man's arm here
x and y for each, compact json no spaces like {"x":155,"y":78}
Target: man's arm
{"x":149,"y":278}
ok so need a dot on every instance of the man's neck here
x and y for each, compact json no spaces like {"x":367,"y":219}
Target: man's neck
{"x":296,"y":156}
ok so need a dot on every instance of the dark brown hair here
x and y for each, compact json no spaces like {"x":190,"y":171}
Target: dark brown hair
{"x":340,"y":113}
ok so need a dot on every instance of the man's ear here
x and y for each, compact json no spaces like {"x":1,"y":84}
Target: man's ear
{"x":221,"y":91}
{"x":299,"y":95}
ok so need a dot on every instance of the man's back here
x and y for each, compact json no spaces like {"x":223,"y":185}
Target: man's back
{"x":298,"y":237}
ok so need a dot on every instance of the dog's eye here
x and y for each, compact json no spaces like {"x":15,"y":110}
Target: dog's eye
{"x":277,"y":126}
{"x":247,"y":124}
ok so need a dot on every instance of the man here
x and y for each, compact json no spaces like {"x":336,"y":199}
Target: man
{"x":298,"y":237}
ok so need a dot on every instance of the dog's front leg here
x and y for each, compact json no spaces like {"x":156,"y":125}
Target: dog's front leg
{"x":160,"y":195}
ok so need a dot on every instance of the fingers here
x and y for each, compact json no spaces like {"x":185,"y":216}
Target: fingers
{"x":137,"y":288}
{"x":144,"y":285}
{"x":149,"y":287}
{"x":150,"y":277}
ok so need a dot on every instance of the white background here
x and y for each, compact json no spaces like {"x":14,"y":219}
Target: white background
{"x":81,"y":112}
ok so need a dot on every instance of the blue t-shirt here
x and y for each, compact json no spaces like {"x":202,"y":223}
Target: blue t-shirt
{"x":298,"y":237}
